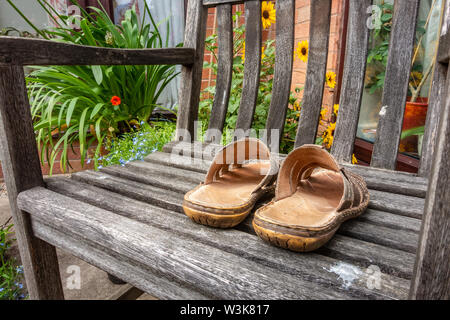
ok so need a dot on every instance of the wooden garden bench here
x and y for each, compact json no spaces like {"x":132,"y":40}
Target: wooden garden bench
{"x":128,"y":220}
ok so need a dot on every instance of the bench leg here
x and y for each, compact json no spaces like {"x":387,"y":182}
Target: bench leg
{"x":22,"y":171}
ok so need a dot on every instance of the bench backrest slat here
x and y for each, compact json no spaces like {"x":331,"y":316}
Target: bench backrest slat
{"x":395,"y":84}
{"x":191,"y":76}
{"x":352,"y":80}
{"x":315,"y":76}
{"x":285,"y":15}
{"x":252,"y":67}
{"x":224,"y":73}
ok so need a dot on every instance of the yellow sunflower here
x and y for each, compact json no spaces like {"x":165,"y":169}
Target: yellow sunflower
{"x":268,"y":13}
{"x":302,"y":50}
{"x":243,"y":53}
{"x":331,"y":79}
{"x":328,"y":135}
{"x":336,"y":109}
{"x":323,"y":113}
{"x":354,"y":160}
{"x":416,"y":78}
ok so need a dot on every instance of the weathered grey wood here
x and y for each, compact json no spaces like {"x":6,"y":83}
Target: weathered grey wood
{"x":319,"y":33}
{"x":22,"y":171}
{"x":399,"y":204}
{"x":396,"y":84}
{"x":310,"y":267}
{"x":393,"y":221}
{"x":392,"y":261}
{"x":432,"y":268}
{"x":198,"y":266}
{"x":212,"y":3}
{"x":436,"y":100}
{"x":179,"y":181}
{"x":148,"y":194}
{"x":283,"y":72}
{"x":178,"y":154}
{"x":252,"y":67}
{"x":444,"y":41}
{"x":392,"y":238}
{"x":21,"y":51}
{"x":191,"y":76}
{"x":352,"y":81}
{"x":107,"y":260}
{"x":224,"y":73}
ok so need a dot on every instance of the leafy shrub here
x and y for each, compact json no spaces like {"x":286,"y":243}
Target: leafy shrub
{"x":264,"y":94}
{"x":136,"y":145}
{"x":10,"y":275}
{"x":95,"y":103}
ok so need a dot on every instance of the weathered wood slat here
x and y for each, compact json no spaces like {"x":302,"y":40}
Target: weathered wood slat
{"x":149,"y":194}
{"x":139,"y":275}
{"x":149,"y":174}
{"x":396,"y":84}
{"x":283,"y":72}
{"x":310,"y":267}
{"x":191,"y":76}
{"x":252,"y":67}
{"x":432,"y":267}
{"x":319,"y":33}
{"x":21,"y":51}
{"x":444,"y":40}
{"x":399,"y":204}
{"x":352,"y":81}
{"x":22,"y":171}
{"x":212,"y":3}
{"x":224,"y":74}
{"x":199,"y":266}
{"x":436,"y":102}
{"x":393,"y":221}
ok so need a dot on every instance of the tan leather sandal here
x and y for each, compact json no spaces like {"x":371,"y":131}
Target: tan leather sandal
{"x":313,"y":197}
{"x":240,"y":174}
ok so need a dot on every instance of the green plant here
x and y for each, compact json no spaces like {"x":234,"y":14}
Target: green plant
{"x":264,"y":94}
{"x":94,"y":103}
{"x":379,"y":44}
{"x":136,"y":145}
{"x":11,"y":287}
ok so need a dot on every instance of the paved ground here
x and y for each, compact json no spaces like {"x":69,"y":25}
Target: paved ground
{"x":94,"y":282}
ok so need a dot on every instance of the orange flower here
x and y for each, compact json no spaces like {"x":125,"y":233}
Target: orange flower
{"x":116,"y":101}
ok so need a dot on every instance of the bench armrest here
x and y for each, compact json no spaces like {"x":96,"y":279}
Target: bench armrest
{"x":21,"y":51}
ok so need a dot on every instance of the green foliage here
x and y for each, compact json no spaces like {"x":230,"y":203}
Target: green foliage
{"x":74,"y":102}
{"x":136,"y":145}
{"x":10,"y":274}
{"x":264,"y":94}
{"x":379,"y":44}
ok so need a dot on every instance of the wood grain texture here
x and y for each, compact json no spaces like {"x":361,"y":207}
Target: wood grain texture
{"x":212,"y":271}
{"x":314,"y":268}
{"x":436,"y":101}
{"x":191,"y":76}
{"x":142,"y":191}
{"x":432,"y":268}
{"x":352,"y":81}
{"x":224,"y":73}
{"x":252,"y":67}
{"x":444,"y":41}
{"x":212,"y":3}
{"x":282,"y":73}
{"x":396,"y":84}
{"x":22,"y":171}
{"x":319,"y":34}
{"x":20,"y":51}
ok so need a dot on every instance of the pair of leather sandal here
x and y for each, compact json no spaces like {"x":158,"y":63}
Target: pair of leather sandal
{"x":312,"y":195}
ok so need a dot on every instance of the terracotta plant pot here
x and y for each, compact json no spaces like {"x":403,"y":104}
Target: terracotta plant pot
{"x":415,"y":113}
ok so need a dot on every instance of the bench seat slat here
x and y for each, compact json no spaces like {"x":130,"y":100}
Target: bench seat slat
{"x":311,"y":266}
{"x":140,"y":191}
{"x":138,"y":275}
{"x":207,"y":269}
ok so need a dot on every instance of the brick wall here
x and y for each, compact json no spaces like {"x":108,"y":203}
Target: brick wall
{"x":302,"y":21}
